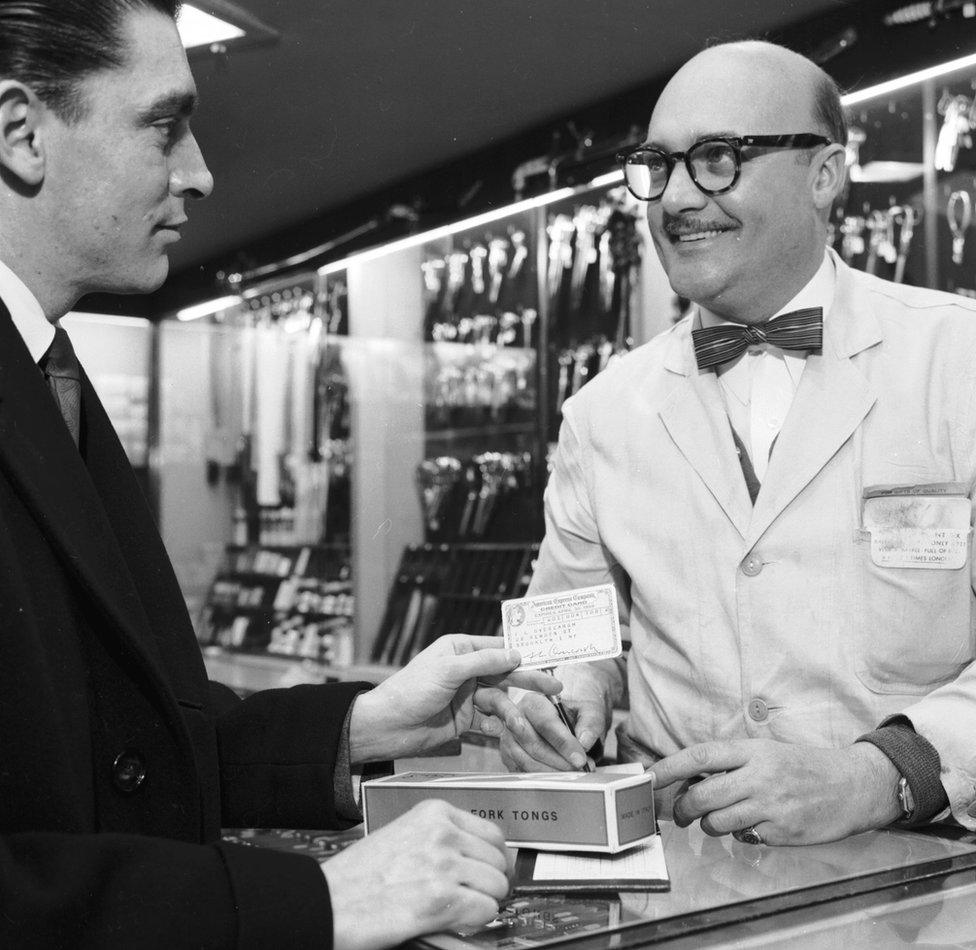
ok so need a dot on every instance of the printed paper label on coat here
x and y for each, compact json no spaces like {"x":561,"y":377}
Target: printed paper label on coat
{"x":570,"y":627}
{"x":918,"y":530}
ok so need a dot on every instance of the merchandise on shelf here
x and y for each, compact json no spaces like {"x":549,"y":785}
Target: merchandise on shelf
{"x":906,"y":210}
{"x":450,"y":588}
{"x":478,"y":498}
{"x":289,"y":601}
{"x":482,"y":290}
{"x":477,"y":384}
{"x":594,"y":262}
{"x":280,"y":414}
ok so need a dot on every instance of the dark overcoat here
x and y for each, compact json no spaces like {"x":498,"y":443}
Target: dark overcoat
{"x":119,"y":761}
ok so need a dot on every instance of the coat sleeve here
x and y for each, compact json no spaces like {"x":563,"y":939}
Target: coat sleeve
{"x":572,"y":554}
{"x":946,"y":717}
{"x":278,"y":751}
{"x":121,"y":891}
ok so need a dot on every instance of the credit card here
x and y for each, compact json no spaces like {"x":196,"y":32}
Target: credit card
{"x":573,"y":626}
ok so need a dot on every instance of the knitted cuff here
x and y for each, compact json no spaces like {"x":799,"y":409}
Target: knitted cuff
{"x":346,"y":780}
{"x":917,"y":760}
{"x":343,"y":788}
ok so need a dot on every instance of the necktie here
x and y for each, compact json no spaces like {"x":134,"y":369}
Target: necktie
{"x":800,"y":330}
{"x":63,"y":374}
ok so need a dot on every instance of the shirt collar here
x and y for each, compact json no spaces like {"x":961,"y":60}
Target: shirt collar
{"x":26,"y":312}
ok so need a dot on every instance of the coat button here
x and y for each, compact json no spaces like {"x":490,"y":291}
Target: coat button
{"x":752,"y":564}
{"x":128,"y":771}
{"x":758,"y":710}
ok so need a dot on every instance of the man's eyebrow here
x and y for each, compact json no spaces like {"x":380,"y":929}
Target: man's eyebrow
{"x":181,"y":104}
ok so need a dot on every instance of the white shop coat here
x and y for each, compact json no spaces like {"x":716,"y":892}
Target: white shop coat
{"x":774,"y":621}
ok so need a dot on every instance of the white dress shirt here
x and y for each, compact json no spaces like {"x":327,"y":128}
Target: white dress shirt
{"x":28,"y":317}
{"x":759,"y":386}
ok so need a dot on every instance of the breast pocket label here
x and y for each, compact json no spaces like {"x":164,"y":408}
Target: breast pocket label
{"x":912,"y":527}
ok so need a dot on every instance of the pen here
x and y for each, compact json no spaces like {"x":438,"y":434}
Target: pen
{"x":564,"y":717}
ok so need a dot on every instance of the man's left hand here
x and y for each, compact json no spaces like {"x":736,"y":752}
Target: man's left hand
{"x":790,"y":794}
{"x":456,"y":684}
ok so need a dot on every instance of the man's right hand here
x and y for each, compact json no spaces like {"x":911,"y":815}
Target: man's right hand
{"x":434,"y":868}
{"x":537,"y":741}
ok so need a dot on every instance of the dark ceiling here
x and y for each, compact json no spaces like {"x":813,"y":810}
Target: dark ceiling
{"x":355,"y":96}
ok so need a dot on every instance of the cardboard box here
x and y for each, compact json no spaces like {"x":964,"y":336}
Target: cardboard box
{"x":604,"y":811}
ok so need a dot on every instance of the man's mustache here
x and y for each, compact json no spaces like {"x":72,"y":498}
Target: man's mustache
{"x":679,"y":225}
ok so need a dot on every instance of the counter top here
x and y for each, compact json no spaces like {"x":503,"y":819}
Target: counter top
{"x":884,"y":889}
{"x":877,"y":891}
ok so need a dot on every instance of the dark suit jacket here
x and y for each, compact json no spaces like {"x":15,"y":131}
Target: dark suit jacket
{"x":119,"y":762}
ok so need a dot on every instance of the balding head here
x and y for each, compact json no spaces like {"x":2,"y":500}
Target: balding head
{"x":745,"y":252}
{"x":757,"y":81}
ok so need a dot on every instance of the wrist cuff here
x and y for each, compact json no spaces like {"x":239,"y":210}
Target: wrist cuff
{"x":918,"y":761}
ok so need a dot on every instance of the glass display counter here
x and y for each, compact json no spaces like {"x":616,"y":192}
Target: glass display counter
{"x":724,"y":892}
{"x":881,"y":889}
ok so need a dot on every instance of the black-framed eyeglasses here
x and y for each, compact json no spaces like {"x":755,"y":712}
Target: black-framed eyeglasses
{"x":713,"y":163}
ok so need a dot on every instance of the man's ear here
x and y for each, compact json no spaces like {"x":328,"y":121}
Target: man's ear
{"x":830,"y":172}
{"x":21,"y":148}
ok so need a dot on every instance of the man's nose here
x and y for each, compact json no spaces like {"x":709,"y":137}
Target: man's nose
{"x":681,"y":193}
{"x":191,"y":177}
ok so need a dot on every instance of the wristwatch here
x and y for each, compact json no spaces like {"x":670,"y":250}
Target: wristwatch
{"x":906,"y":800}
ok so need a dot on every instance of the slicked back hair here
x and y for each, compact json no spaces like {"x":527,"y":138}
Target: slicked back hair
{"x":827,"y":110}
{"x":51,"y":45}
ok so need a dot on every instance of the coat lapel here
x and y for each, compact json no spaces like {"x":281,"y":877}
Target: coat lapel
{"x":41,"y":460}
{"x":696,"y":420}
{"x":831,"y":401}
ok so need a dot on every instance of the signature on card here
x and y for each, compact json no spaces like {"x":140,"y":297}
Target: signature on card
{"x":566,"y":627}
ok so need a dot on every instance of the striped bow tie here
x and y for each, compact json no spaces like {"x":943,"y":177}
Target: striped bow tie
{"x":800,"y":330}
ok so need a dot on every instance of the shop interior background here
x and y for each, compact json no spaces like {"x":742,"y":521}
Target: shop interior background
{"x":417,"y":248}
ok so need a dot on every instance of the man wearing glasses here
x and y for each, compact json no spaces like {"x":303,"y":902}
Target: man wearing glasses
{"x":780,"y":488}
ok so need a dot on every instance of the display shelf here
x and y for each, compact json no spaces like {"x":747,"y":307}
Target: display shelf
{"x":905,"y":213}
{"x":304,"y":605}
{"x":419,"y":369}
{"x":479,"y":432}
